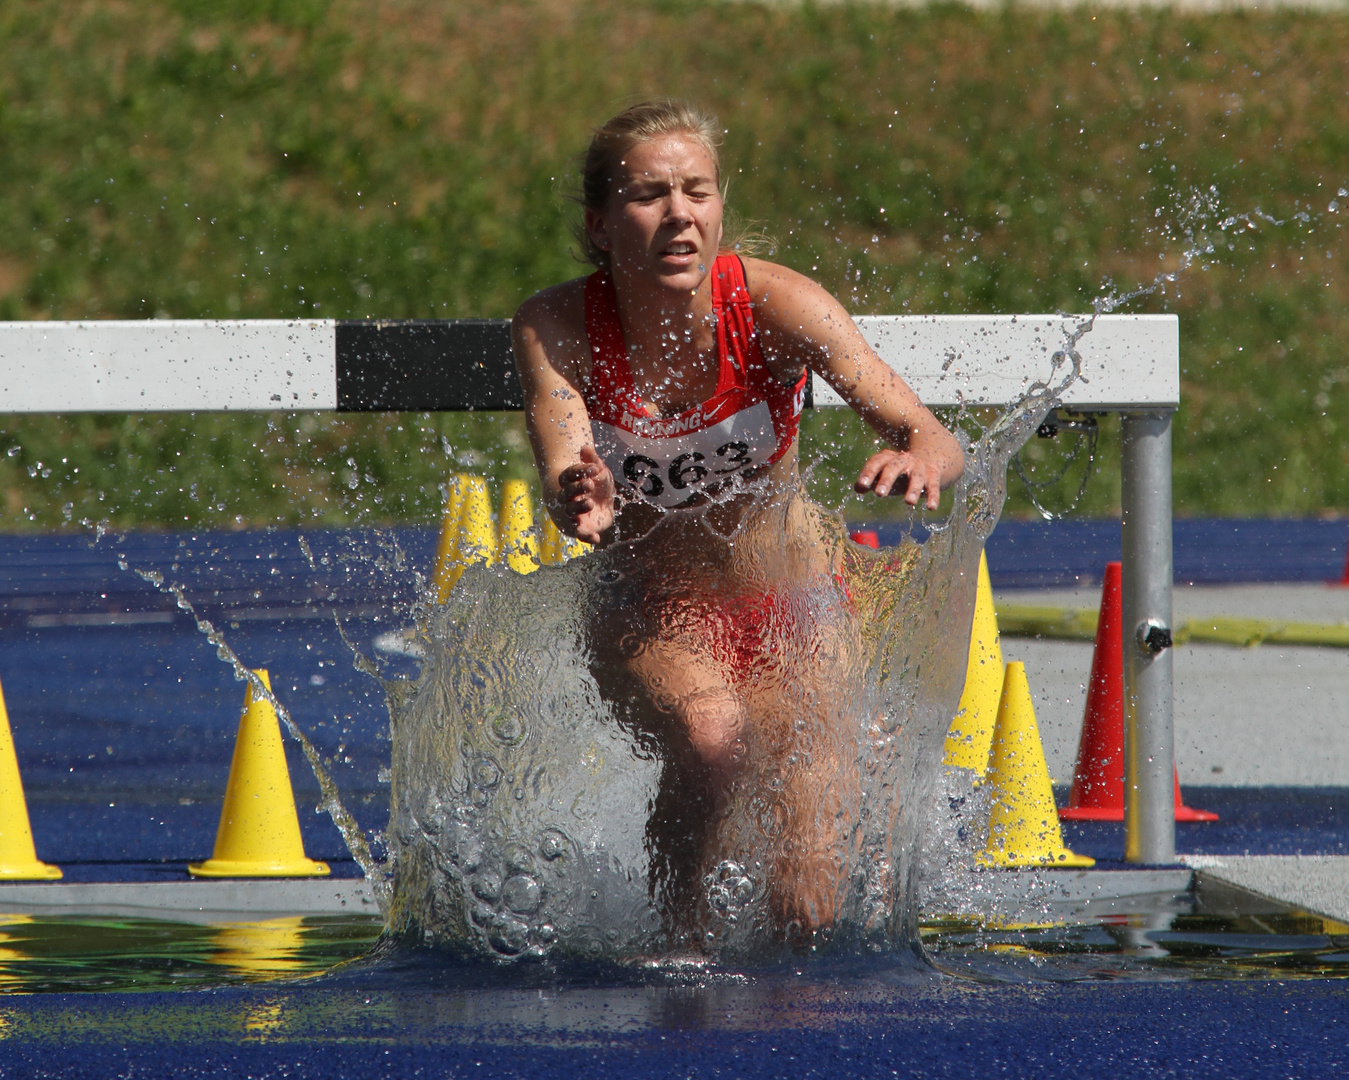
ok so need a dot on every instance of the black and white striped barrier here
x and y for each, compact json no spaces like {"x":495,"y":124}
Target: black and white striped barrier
{"x":1130,"y":362}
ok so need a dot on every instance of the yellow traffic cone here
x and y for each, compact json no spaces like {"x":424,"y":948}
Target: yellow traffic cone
{"x":971,"y":733}
{"x":550,"y":543}
{"x":477,"y":534}
{"x":574,"y":549}
{"x":1023,"y":827}
{"x":448,"y":566}
{"x":555,"y":548}
{"x":519,"y":548}
{"x":18,"y":857}
{"x":259,"y":832}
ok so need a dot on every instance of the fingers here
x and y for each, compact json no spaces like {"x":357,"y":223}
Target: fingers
{"x":592,"y":524}
{"x":574,"y":474}
{"x":587,"y":488}
{"x":891,"y":472}
{"x":867,"y":477}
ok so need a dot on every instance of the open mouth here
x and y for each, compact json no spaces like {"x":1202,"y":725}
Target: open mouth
{"x":680,"y":247}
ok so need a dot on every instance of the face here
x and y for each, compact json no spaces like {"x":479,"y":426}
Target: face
{"x":663,"y":221}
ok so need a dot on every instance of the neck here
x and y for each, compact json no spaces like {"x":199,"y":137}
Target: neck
{"x":663,"y":326}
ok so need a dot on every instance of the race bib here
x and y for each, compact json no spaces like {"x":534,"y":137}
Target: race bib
{"x":669,"y":462}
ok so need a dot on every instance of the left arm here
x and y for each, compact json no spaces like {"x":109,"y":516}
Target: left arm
{"x":800,"y":324}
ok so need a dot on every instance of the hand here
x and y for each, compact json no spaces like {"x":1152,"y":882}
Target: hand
{"x":900,"y":472}
{"x":588,"y":495}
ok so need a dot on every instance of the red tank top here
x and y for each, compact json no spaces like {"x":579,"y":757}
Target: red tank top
{"x":750,"y":421}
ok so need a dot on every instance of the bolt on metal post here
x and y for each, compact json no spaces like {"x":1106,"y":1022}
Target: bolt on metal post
{"x":1149,"y":744}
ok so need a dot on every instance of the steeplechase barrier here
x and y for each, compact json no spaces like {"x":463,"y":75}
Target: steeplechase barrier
{"x":1130,"y":365}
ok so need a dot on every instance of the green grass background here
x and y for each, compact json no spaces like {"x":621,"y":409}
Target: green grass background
{"x":263,"y":158}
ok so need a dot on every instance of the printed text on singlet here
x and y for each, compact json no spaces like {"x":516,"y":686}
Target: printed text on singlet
{"x":670,"y":462}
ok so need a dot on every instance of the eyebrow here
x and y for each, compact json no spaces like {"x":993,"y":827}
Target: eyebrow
{"x":658,"y":181}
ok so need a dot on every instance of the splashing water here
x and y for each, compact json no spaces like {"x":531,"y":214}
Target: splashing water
{"x":533,"y":814}
{"x":539,"y":810}
{"x":331,"y":803}
{"x":536,"y":806}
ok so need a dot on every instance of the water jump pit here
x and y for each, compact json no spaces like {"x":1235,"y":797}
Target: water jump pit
{"x":1094,"y":970}
{"x":125,"y":721}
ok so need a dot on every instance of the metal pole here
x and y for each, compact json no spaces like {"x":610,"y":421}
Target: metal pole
{"x":1149,"y":749}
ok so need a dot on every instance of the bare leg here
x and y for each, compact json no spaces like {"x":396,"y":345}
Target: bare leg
{"x":740,"y":676}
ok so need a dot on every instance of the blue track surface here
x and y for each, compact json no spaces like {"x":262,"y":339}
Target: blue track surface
{"x":853,"y":1028}
{"x":1042,"y":554}
{"x":124,"y":719}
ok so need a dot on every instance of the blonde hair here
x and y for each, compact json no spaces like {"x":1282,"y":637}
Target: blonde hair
{"x":637,"y":124}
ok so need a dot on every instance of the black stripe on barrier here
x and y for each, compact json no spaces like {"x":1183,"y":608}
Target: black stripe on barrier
{"x":426,"y":365}
{"x":432,"y":365}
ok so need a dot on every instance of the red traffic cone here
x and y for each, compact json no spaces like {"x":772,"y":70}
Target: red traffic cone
{"x":867,"y":538}
{"x":1098,"y":775}
{"x":1189,"y":813}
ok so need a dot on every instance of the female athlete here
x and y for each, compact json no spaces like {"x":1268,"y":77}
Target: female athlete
{"x":663,"y":395}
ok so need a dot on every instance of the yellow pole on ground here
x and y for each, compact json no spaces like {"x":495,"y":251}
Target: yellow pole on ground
{"x":555,"y":549}
{"x":550,"y":542}
{"x":574,"y":549}
{"x":259,"y":832}
{"x":18,"y":857}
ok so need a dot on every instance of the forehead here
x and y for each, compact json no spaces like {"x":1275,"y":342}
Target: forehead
{"x":666,"y":155}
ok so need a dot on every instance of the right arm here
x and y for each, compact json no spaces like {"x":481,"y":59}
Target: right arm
{"x":553,"y":358}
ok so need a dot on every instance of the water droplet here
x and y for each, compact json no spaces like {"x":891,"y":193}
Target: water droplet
{"x":486,"y":886}
{"x":519,"y":857}
{"x":553,"y":844}
{"x":522,"y":894}
{"x":510,"y":729}
{"x":508,"y":936}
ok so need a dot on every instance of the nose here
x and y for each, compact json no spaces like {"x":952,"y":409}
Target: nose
{"x":678,"y":209}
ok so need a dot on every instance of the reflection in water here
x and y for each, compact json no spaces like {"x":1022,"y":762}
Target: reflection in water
{"x":10,"y":978}
{"x":1276,"y":942}
{"x":263,"y":1019}
{"x":270,"y":948}
{"x":75,"y":954}
{"x":411,"y":989}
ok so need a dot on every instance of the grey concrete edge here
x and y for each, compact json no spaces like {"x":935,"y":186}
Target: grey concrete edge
{"x":1316,"y":884}
{"x":1056,"y":895}
{"x":193,"y":901}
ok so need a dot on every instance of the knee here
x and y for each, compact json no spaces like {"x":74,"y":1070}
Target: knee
{"x":714,"y":723}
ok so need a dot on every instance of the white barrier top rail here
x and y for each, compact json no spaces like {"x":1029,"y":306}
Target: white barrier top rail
{"x":1130,"y":362}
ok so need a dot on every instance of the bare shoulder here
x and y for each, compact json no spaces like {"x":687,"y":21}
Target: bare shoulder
{"x":549,"y":328}
{"x":791,"y":303}
{"x":768,"y":281}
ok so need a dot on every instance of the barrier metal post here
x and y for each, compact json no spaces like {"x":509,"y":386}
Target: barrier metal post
{"x":1149,"y":744}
